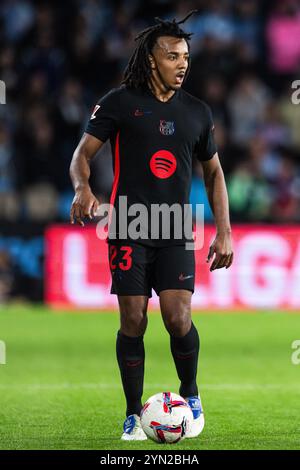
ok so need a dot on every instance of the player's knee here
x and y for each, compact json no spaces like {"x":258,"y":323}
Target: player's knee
{"x":133,"y":316}
{"x":178,"y":324}
{"x":133,"y":322}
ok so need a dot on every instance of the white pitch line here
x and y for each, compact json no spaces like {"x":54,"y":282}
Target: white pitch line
{"x":160,"y":386}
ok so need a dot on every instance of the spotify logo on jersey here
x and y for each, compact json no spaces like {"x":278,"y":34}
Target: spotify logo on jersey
{"x":163,"y":164}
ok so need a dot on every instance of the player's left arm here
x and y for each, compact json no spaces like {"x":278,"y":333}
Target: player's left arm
{"x":218,"y":199}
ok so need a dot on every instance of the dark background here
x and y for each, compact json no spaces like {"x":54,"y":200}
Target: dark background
{"x":58,"y":58}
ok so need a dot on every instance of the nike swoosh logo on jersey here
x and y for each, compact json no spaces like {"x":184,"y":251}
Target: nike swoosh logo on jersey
{"x":184,"y":278}
{"x":139,"y":112}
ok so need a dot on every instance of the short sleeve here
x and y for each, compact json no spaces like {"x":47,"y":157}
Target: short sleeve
{"x":206,"y":146}
{"x":104,"y":120}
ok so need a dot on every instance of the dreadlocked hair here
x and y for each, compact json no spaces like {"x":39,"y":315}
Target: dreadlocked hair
{"x":138,"y":70}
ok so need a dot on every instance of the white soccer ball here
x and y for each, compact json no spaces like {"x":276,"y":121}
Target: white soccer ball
{"x":166,"y":418}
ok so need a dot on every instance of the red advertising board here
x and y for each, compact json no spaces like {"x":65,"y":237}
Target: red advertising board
{"x":265,"y":272}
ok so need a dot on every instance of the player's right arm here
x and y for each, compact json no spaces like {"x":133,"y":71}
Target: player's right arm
{"x":103,"y":124}
{"x":84,"y":204}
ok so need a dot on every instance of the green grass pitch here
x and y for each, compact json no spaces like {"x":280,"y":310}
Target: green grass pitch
{"x":60,"y":387}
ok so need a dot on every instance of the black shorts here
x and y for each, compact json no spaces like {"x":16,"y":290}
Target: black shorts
{"x":136,"y":269}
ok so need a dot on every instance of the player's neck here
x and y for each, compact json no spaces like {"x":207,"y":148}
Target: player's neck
{"x":161,"y":92}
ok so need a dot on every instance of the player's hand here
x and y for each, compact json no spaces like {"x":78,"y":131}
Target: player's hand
{"x":222,"y":248}
{"x":84,"y":204}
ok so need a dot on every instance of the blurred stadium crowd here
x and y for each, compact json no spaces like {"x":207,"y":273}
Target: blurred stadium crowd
{"x":58,"y":58}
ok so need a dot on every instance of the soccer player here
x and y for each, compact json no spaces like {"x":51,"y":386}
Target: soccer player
{"x":155,"y":128}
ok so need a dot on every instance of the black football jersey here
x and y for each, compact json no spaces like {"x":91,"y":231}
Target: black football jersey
{"x":153,"y":143}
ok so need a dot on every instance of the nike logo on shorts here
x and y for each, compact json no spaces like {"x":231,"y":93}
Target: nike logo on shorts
{"x":184,"y":278}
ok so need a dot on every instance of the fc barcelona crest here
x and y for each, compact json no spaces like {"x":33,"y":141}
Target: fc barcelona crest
{"x":166,"y":127}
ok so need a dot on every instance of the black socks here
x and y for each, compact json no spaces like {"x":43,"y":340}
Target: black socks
{"x":185,"y":351}
{"x":131,"y":359}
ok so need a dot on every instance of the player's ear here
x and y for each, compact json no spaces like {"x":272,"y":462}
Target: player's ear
{"x":152,"y":61}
